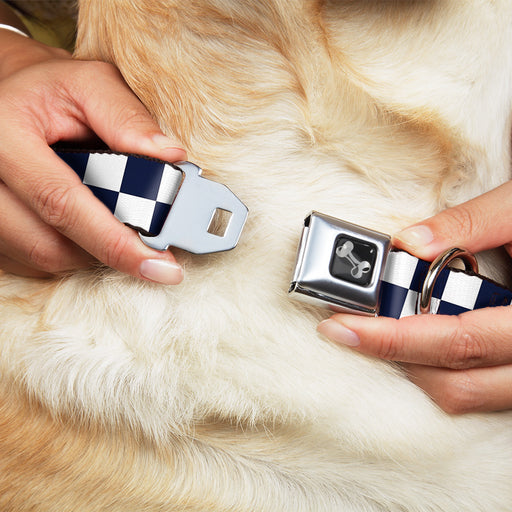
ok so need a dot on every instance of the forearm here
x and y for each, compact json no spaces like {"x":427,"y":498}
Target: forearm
{"x":17,"y":51}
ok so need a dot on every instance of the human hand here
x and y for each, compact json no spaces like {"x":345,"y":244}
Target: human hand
{"x":49,"y":221}
{"x":463,"y":362}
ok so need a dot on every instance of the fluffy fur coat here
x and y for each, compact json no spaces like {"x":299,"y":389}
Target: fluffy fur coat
{"x":217,"y":394}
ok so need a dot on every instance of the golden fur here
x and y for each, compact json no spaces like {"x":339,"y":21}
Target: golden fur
{"x":217,"y":394}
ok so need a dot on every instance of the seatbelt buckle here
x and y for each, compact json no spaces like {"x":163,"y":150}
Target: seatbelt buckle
{"x":351,"y":269}
{"x":340,"y":265}
{"x":193,"y":212}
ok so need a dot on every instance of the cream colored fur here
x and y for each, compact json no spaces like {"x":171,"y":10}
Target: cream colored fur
{"x":218,"y":395}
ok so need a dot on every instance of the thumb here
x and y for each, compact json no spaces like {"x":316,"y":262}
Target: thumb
{"x":479,"y":224}
{"x":119,"y":118}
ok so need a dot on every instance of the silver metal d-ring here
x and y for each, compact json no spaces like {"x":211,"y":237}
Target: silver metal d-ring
{"x":425,"y":296}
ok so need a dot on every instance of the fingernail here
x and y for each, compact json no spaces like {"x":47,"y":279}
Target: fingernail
{"x":161,"y":271}
{"x":166,"y":144}
{"x":338,"y":333}
{"x":416,"y":236}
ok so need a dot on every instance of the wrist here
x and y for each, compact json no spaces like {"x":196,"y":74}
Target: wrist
{"x":18,"y":52}
{"x":11,"y":28}
{"x":9,"y":18}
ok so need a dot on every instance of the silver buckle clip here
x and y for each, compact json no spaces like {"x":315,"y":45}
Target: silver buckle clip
{"x":339,"y":265}
{"x":188,"y":223}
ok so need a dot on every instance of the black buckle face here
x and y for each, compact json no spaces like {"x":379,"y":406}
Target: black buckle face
{"x":339,"y":265}
{"x":353,"y":260}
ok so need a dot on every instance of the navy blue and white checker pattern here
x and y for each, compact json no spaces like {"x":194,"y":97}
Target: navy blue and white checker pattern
{"x":454,"y":291}
{"x":138,"y":191}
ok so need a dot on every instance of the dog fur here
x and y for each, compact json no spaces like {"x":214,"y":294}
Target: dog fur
{"x":217,"y":394}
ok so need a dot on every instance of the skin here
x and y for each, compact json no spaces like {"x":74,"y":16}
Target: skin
{"x":49,"y":222}
{"x":463,"y":362}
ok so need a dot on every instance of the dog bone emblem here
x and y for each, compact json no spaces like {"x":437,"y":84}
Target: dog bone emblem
{"x":358,"y":267}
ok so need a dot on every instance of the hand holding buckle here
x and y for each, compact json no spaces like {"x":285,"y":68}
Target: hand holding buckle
{"x":171,"y":204}
{"x":351,"y":269}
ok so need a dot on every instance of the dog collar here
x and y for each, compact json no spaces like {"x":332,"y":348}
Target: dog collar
{"x":351,"y":269}
{"x":169,"y":204}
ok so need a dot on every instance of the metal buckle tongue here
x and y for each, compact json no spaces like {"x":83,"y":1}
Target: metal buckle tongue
{"x":188,"y":222}
{"x":340,"y":265}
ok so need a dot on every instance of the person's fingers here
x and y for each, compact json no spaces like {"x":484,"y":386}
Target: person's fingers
{"x":59,"y":198}
{"x":463,"y":362}
{"x":463,"y":391}
{"x":131,"y":128}
{"x":30,"y":243}
{"x":116,"y":115}
{"x":73,"y":98}
{"x":479,"y":224}
{"x":15,"y":267}
{"x":61,"y":110}
{"x":473,"y":339}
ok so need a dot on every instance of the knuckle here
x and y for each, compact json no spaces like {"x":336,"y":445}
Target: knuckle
{"x":42,"y":257}
{"x":461,"y":220}
{"x":389,"y":345}
{"x":385,"y":349}
{"x":132,"y":117}
{"x":460,"y":394}
{"x":54,"y":204}
{"x":465,"y":348}
{"x":116,"y":249}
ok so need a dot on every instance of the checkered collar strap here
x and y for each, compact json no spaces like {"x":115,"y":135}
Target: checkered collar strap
{"x":352,"y":269}
{"x":169,"y":204}
{"x":138,"y":191}
{"x":455,"y":291}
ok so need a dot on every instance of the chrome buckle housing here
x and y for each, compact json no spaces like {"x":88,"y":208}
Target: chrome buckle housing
{"x":191,"y":214}
{"x":339,"y":265}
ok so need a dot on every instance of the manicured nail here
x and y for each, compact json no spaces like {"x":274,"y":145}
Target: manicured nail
{"x":338,"y":333}
{"x":161,"y":271}
{"x":165,"y":143}
{"x":415,"y":236}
